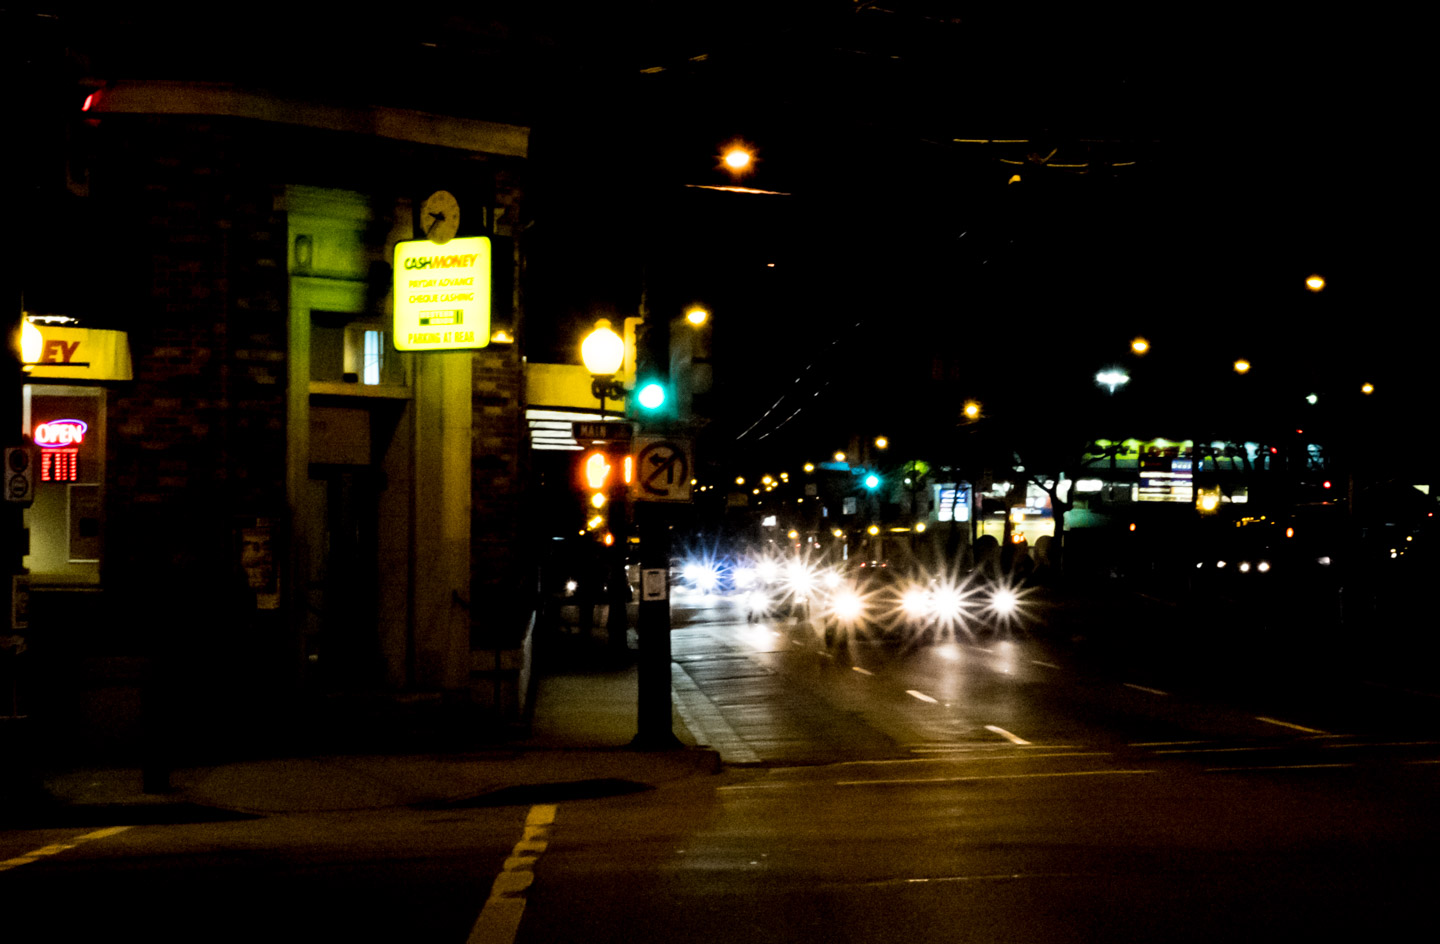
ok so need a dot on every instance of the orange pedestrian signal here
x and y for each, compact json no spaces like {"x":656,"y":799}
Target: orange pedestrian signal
{"x":597,"y":469}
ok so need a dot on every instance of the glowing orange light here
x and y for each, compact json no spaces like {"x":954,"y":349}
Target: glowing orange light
{"x":597,"y":470}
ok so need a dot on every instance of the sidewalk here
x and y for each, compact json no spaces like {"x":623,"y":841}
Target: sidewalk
{"x":577,"y":746}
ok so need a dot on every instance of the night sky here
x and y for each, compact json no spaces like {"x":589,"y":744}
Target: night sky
{"x":1263,"y":152}
{"x":1253,"y":151}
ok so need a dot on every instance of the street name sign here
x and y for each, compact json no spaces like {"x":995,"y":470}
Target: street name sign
{"x":603,"y":431}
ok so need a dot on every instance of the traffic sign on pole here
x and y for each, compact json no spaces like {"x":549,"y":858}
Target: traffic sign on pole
{"x":662,"y":469}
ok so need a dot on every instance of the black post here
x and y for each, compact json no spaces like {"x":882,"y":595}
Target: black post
{"x":655,"y":708}
{"x":617,"y":623}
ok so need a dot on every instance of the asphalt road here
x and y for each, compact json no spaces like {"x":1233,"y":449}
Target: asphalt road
{"x":995,"y":789}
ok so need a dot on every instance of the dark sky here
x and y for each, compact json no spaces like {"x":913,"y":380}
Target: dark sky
{"x":1263,"y":153}
{"x":1257,"y":150}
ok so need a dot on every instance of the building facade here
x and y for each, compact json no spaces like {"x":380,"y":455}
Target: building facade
{"x":275,"y":505}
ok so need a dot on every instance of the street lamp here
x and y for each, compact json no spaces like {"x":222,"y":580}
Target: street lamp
{"x":603,"y":352}
{"x":1112,"y":379}
{"x":738,"y":158}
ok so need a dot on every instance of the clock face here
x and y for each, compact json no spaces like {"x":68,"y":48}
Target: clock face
{"x":440,"y":217}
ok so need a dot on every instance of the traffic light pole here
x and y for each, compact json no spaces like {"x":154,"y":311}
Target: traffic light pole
{"x":654,"y":704}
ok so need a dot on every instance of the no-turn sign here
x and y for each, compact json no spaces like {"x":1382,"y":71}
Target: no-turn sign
{"x":662,"y":469}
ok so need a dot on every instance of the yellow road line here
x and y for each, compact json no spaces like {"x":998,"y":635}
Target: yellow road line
{"x":499,"y":920}
{"x":58,"y":847}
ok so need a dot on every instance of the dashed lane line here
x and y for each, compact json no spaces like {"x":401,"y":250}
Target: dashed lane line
{"x":1287,"y":724}
{"x":1012,"y":738}
{"x":1031,"y":776}
{"x":1146,"y":689}
{"x":58,"y":847}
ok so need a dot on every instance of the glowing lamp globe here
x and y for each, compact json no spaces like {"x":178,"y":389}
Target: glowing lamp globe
{"x":603,"y":351}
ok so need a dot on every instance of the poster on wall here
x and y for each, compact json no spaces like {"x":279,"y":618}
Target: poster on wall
{"x":257,"y":559}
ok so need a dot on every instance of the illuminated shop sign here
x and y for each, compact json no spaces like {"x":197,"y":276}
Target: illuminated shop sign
{"x":442,"y":294}
{"x":59,"y":441}
{"x":80,"y":354}
{"x":59,"y":433}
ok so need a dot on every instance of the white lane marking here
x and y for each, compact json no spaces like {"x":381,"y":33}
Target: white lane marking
{"x":1221,"y":750}
{"x":977,"y":758}
{"x":1039,"y":776}
{"x":1165,"y":743}
{"x":499,"y":920}
{"x":921,"y":695}
{"x":1286,"y":724}
{"x":1143,"y":688}
{"x":1012,"y":738}
{"x":1048,"y":665}
{"x":856,"y":668}
{"x":1216,"y":770}
{"x":1331,"y":747}
{"x":58,"y":847}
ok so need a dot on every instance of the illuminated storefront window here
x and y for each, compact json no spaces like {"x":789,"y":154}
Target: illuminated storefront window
{"x":66,"y":424}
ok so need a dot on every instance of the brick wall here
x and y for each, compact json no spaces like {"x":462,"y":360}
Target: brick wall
{"x":203,"y":423}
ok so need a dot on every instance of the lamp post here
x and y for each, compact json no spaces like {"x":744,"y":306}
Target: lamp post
{"x":603,"y":352}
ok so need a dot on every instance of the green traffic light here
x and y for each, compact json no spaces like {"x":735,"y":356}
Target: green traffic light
{"x":651,"y":395}
{"x":871,"y":481}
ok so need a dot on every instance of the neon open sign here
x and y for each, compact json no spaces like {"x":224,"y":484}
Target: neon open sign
{"x":58,"y":434}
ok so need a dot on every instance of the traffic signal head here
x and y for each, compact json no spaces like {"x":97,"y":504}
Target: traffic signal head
{"x":872,"y":481}
{"x":651,"y":395}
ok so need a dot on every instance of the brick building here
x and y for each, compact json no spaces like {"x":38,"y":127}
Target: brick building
{"x":276,"y":505}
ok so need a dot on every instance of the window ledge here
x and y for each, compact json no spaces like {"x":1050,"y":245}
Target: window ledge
{"x":335,"y":388}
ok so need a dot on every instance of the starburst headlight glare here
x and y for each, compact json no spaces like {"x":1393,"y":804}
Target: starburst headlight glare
{"x":830,"y":579}
{"x":1004,"y":602}
{"x":767,"y":570}
{"x":744,"y":577}
{"x":916,"y":602}
{"x":848,"y":605}
{"x":947,"y":603}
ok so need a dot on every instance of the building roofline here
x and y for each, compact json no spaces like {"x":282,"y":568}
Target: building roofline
{"x":222,"y":99}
